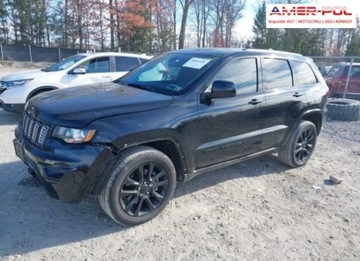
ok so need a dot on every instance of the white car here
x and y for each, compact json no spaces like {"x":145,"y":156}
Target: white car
{"x":81,"y":69}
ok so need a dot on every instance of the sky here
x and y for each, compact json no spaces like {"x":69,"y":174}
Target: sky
{"x":243,"y":28}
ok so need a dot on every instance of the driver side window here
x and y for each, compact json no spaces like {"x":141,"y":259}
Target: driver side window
{"x":96,"y":65}
{"x":242,"y":72}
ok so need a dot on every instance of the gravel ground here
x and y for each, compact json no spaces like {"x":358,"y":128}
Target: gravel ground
{"x":256,"y":210}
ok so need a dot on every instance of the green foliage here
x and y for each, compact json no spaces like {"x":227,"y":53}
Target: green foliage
{"x":304,"y":41}
{"x":353,"y":49}
{"x":265,"y":38}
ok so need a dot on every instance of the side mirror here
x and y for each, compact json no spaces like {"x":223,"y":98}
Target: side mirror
{"x":78,"y":71}
{"x":222,"y":89}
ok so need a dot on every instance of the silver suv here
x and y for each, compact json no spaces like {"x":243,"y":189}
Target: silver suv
{"x":78,"y":70}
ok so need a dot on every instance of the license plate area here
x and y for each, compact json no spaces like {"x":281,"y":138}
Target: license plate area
{"x":19,"y":149}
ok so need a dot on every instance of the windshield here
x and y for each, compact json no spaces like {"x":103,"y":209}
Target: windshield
{"x":169,"y":74}
{"x":64,"y":64}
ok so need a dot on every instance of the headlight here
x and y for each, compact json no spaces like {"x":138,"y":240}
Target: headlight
{"x":17,"y":83}
{"x":70,"y":135}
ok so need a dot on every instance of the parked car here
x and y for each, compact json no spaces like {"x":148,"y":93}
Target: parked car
{"x":181,"y":114}
{"x":336,"y":79}
{"x":324,"y":70}
{"x":79,"y":70}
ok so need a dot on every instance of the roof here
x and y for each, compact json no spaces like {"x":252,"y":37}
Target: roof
{"x":116,"y":54}
{"x":347,"y":63}
{"x":232,"y":51}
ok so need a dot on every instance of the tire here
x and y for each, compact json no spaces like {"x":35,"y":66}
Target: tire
{"x":300,"y":146}
{"x":343,"y":110}
{"x":140,"y":186}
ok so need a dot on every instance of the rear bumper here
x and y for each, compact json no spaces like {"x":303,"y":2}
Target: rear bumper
{"x":67,"y":174}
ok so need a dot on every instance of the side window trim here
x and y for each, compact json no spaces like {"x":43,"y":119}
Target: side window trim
{"x":297,"y":77}
{"x":264,"y":71}
{"x":257,"y":65}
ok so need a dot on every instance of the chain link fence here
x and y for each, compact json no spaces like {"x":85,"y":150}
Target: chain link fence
{"x":34,"y":54}
{"x":342,"y":75}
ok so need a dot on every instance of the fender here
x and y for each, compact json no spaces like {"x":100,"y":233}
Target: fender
{"x":167,"y":144}
{"x":39,"y":90}
{"x":164,"y":140}
{"x":313,"y":115}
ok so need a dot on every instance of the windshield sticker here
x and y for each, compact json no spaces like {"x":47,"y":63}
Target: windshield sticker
{"x":197,"y":63}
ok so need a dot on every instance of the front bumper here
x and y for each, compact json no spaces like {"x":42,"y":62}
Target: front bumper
{"x":12,"y":107}
{"x":67,"y":173}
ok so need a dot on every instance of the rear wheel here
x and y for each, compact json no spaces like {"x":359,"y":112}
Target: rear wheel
{"x":140,"y":186}
{"x":300,"y":146}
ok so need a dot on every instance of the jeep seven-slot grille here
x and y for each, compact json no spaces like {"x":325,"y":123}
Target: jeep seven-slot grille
{"x":34,"y":130}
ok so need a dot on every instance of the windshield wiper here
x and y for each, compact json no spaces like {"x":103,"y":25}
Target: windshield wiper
{"x":119,"y":81}
{"x":141,"y":86}
{"x":136,"y":85}
{"x":45,"y":70}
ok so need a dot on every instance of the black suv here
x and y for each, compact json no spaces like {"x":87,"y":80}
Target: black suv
{"x":181,"y":114}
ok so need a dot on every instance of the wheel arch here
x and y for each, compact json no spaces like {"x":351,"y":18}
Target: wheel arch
{"x":40,"y":90}
{"x":315,"y":117}
{"x":167,"y":146}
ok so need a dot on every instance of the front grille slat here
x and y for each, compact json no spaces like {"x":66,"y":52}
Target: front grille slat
{"x":43,"y":132}
{"x":34,"y":130}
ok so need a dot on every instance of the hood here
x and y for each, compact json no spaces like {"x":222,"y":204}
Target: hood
{"x":24,"y":75}
{"x":78,"y":106}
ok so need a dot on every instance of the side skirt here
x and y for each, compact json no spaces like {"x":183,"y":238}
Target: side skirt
{"x":226,"y":164}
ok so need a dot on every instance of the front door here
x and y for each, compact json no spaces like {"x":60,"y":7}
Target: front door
{"x":231,"y":127}
{"x":97,"y":71}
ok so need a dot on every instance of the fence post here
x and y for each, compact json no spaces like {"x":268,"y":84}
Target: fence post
{"x":31,"y":60}
{"x":347,"y":78}
{"x":59,"y":54}
{"x":2,"y":54}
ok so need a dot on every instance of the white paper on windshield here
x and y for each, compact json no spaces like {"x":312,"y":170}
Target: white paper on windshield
{"x":196,"y":63}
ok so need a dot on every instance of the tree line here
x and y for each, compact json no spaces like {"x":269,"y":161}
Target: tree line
{"x":155,"y":26}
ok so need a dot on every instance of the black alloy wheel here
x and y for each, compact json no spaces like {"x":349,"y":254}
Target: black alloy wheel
{"x":305,"y":145}
{"x":144,"y":189}
{"x":300,"y":146}
{"x":140,"y":186}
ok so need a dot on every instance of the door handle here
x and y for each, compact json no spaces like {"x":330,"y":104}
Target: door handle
{"x":254,"y":101}
{"x":296,"y":94}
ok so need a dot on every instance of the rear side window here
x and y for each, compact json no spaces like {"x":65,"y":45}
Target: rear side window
{"x":277,"y":74}
{"x":303,"y":73}
{"x":243,"y":72}
{"x":124,"y":64}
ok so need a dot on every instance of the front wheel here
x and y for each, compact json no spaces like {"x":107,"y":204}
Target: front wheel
{"x":140,"y":186}
{"x":300,"y":146}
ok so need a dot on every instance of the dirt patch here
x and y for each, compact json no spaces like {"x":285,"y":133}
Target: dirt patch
{"x":7,"y":67}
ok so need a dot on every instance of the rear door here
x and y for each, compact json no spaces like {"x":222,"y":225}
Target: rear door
{"x":124,"y":64}
{"x":229,"y":128}
{"x":286,"y":84}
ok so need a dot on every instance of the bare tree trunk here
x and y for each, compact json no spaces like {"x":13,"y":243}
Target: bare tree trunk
{"x":66,"y":6}
{"x":186,"y":7}
{"x":112,"y":23}
{"x":174,"y":14}
{"x":118,"y":36}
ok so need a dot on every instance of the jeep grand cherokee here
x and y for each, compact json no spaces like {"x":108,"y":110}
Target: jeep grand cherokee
{"x":181,"y":114}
